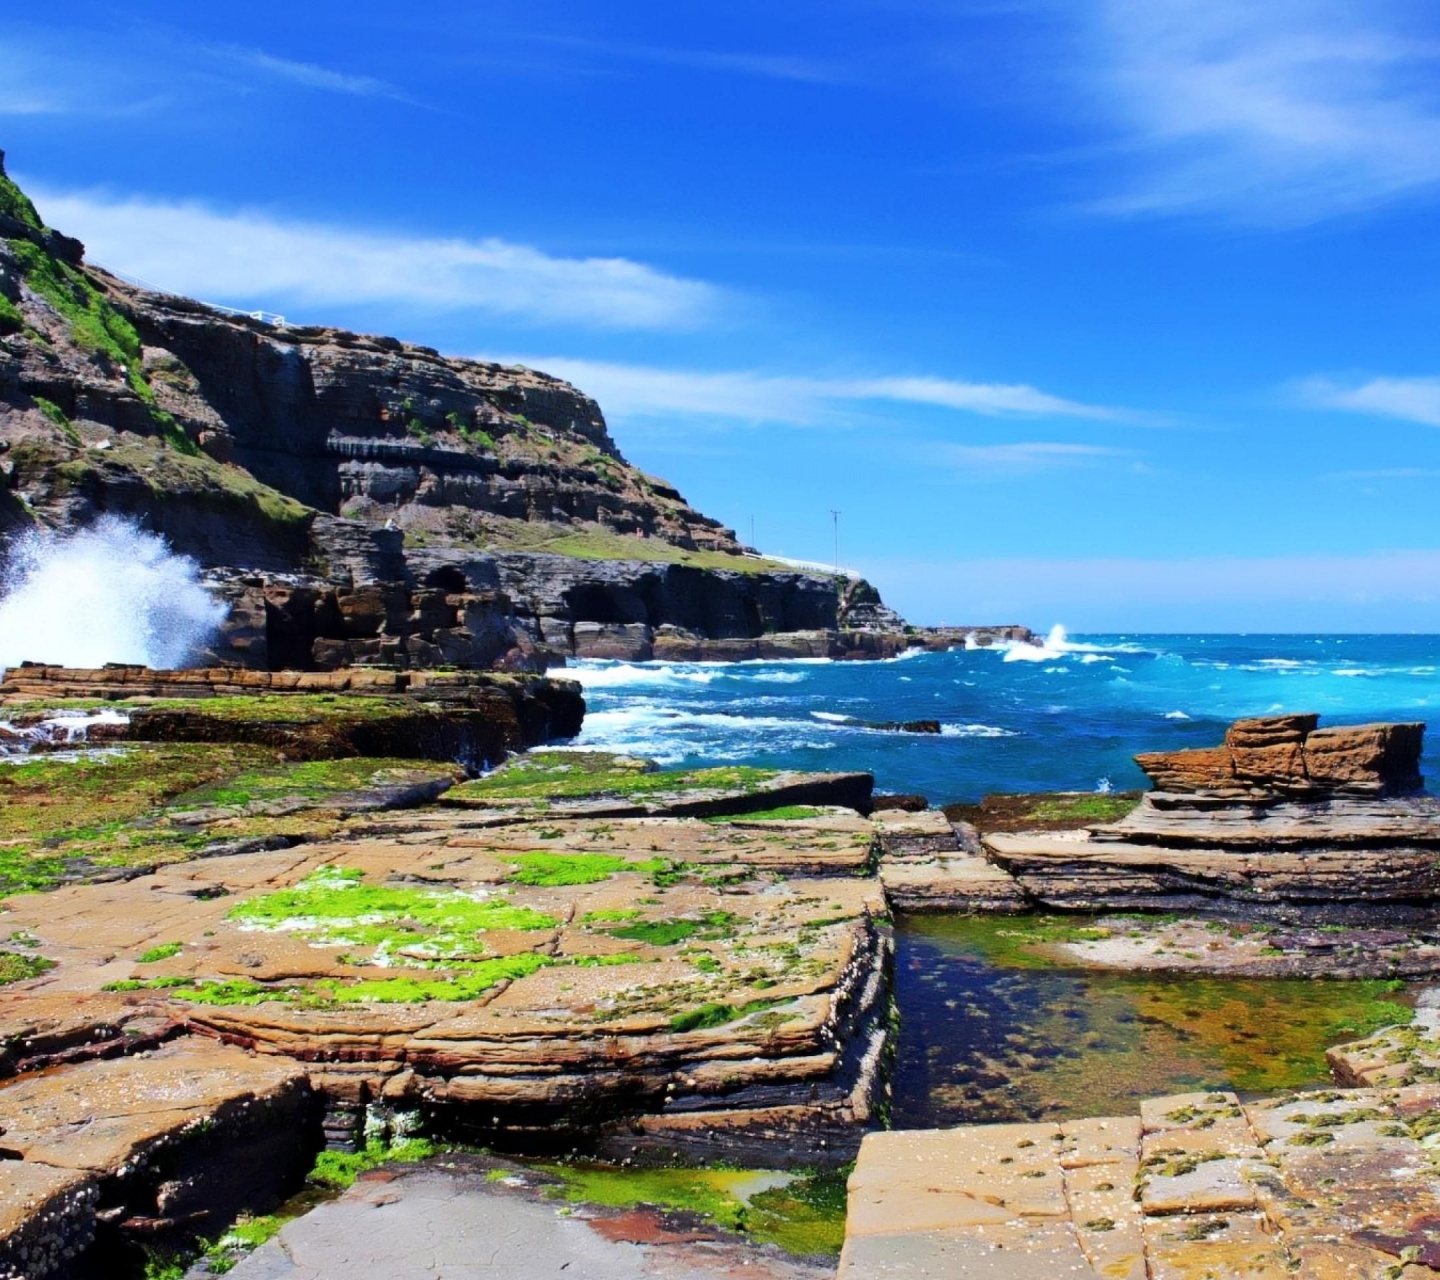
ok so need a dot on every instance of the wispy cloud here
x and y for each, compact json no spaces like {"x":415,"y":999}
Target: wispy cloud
{"x":1027,"y":455}
{"x":640,"y":391}
{"x":1284,"y":112}
{"x":1388,"y":473}
{"x":310,"y":75}
{"x":60,"y":72}
{"x":769,"y":66}
{"x":261,"y":259}
{"x":1410,"y":399}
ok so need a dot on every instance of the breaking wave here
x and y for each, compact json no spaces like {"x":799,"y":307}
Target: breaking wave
{"x":1057,"y":645}
{"x":109,"y":593}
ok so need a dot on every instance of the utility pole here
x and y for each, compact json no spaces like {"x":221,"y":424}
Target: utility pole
{"x":835,"y":516}
{"x":752,"y":534}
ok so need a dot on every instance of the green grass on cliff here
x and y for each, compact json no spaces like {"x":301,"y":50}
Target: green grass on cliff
{"x":98,"y":326}
{"x":593,"y":542}
{"x":172,"y":475}
{"x":11,"y":319}
{"x":547,"y":775}
{"x":16,"y":204}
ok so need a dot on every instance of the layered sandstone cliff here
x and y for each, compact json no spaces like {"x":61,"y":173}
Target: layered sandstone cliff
{"x":299,"y":462}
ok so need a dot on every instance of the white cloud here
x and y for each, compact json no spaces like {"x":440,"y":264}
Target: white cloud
{"x":260,"y":259}
{"x":1025,"y":455}
{"x":1411,"y":399}
{"x":1287,"y":111}
{"x":639,"y":391}
{"x":310,"y":75}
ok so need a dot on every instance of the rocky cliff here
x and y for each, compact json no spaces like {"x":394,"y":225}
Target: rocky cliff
{"x":304,"y":459}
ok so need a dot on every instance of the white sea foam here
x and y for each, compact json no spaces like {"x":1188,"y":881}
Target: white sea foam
{"x":605,"y":673}
{"x":623,"y":675}
{"x":109,"y":593}
{"x":831,"y":716}
{"x":976,"y":731}
{"x":1176,"y":715}
{"x":70,"y":728}
{"x":1057,"y":645}
{"x":669,"y":735}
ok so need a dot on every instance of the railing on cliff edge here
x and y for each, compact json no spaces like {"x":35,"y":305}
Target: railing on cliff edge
{"x":271,"y":318}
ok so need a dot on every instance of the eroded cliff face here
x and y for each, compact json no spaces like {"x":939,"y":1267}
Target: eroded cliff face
{"x":315,"y":460}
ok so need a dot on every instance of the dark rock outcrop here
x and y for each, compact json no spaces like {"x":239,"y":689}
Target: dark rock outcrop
{"x":471,"y":716}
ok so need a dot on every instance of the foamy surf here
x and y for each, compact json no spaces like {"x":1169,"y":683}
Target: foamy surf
{"x":1058,"y":645}
{"x":109,"y":593}
{"x":69,"y":729}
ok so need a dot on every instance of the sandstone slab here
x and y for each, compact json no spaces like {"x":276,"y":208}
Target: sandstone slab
{"x":1334,"y":1185}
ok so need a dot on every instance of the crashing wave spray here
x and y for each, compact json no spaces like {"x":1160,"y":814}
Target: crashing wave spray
{"x":109,"y":593}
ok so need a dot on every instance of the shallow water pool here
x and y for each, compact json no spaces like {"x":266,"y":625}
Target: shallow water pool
{"x":992,"y":1030}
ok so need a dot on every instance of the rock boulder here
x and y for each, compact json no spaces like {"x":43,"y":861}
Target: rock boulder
{"x":1290,"y":756}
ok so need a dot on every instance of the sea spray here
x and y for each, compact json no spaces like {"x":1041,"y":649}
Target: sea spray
{"x":108,"y":593}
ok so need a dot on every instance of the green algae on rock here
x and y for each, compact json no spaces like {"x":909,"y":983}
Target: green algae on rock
{"x":121,"y":810}
{"x":547,"y":774}
{"x":16,"y":966}
{"x":599,"y":783}
{"x":1044,"y":810}
{"x":801,"y":1212}
{"x":552,"y":870}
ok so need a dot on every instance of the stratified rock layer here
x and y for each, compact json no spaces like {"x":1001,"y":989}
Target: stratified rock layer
{"x":321,"y":715}
{"x":1268,"y":823}
{"x":105,"y":1155}
{"x":1336,"y":1185}
{"x":362,"y":499}
{"x":1290,"y":756}
{"x":516,"y":973}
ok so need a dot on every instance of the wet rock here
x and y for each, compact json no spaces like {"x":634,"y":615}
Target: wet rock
{"x":478,"y":717}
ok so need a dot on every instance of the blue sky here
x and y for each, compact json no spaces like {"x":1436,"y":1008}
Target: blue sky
{"x":1120,"y":313}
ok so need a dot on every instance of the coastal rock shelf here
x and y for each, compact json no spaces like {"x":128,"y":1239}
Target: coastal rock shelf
{"x":472,"y":716}
{"x":1285,"y":820}
{"x":515,"y":973}
{"x":523,"y":975}
{"x":1323,"y":1186}
{"x":928,"y":863}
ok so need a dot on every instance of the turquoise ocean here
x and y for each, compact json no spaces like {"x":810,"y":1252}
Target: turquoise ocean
{"x":1064,"y":714}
